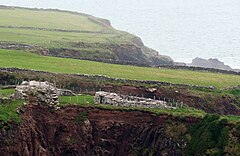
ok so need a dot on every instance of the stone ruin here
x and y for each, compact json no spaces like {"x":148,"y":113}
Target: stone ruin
{"x":37,"y":92}
{"x":40,"y":92}
{"x":114,"y":99}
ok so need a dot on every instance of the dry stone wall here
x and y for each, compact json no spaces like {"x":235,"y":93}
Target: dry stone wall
{"x":106,"y":78}
{"x":114,"y":99}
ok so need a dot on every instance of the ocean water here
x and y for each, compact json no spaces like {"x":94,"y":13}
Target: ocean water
{"x":182,"y":29}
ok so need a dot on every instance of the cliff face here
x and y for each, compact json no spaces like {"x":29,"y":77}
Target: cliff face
{"x":88,"y":131}
{"x":79,"y":131}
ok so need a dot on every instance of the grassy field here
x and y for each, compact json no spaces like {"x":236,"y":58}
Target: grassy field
{"x":81,"y":99}
{"x":48,"y":19}
{"x":56,"y":39}
{"x":62,"y":30}
{"x":6,"y":92}
{"x":20,"y":59}
{"x":91,"y":29}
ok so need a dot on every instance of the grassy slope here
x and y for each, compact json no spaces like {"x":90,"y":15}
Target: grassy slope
{"x":96,"y":32}
{"x":8,"y":111}
{"x":47,"y":19}
{"x":13,"y":58}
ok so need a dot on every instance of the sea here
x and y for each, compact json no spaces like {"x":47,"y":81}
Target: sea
{"x":181,"y":29}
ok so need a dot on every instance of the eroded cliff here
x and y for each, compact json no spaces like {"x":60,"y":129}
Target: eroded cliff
{"x":75,"y":130}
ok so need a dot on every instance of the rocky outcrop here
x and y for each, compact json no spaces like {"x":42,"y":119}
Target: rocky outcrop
{"x":210,"y":63}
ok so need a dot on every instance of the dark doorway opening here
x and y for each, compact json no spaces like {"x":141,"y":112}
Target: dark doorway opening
{"x":101,"y":99}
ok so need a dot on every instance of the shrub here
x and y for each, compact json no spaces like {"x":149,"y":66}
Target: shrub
{"x":209,"y":137}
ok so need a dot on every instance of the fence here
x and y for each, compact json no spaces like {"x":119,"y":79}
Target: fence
{"x":91,"y":91}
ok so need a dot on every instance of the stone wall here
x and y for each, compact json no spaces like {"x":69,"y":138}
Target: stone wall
{"x":114,"y":99}
{"x":106,"y":78}
{"x":199,"y":69}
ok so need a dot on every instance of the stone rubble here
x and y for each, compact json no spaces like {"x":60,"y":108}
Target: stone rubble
{"x":37,"y":92}
{"x":102,"y":97}
{"x":5,"y":100}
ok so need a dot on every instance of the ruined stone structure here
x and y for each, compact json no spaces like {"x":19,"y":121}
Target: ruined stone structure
{"x":102,"y":97}
{"x":37,"y":92}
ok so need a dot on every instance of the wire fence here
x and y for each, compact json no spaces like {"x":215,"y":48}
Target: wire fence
{"x":91,"y":91}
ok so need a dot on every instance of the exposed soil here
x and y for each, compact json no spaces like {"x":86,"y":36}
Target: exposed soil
{"x":75,"y":130}
{"x":209,"y":103}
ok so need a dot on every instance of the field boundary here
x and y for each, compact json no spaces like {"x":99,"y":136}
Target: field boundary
{"x":106,"y":78}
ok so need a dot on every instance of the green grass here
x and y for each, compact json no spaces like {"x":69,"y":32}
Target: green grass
{"x":8,"y":111}
{"x":179,"y":112}
{"x":81,"y":99}
{"x":235,"y":92}
{"x":232,"y":118}
{"x":6,"y":92}
{"x":48,"y":19}
{"x":20,"y":59}
{"x":87,"y":100}
{"x":92,"y":31}
{"x":52,"y":39}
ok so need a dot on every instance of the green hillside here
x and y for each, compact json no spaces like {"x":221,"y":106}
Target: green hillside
{"x":20,"y":59}
{"x":49,"y":19}
{"x":21,"y":25}
{"x":71,"y":34}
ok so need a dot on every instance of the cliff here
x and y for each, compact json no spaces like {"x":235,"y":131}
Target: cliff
{"x":75,"y":130}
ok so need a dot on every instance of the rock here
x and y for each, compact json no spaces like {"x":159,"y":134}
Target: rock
{"x":210,"y":63}
{"x":102,"y":97}
{"x":65,"y":92}
{"x":151,"y":90}
{"x":37,"y":92}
